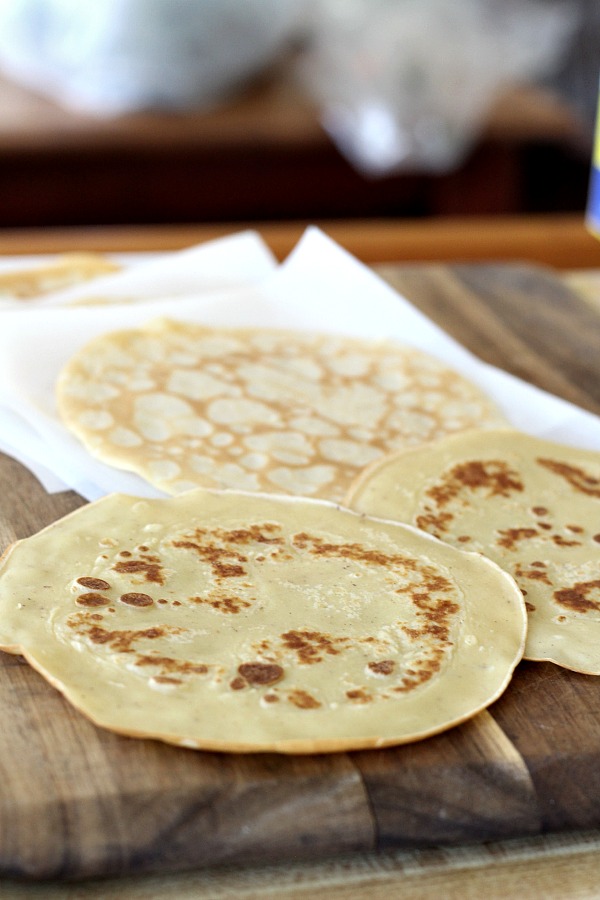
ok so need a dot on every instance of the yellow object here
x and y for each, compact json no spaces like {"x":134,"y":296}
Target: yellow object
{"x":593,"y":203}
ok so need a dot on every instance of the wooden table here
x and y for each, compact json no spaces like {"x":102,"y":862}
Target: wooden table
{"x":263,"y":154}
{"x":563,"y":864}
{"x":558,"y":241}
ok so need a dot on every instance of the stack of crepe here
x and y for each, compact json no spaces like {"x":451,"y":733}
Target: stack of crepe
{"x":350,"y":544}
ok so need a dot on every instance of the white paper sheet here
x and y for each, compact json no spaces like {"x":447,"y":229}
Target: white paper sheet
{"x":233,"y":261}
{"x":319,"y":287}
{"x":225,"y":264}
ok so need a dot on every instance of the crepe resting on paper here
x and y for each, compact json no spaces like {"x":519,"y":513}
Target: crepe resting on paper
{"x":66,"y":270}
{"x":283,"y":411}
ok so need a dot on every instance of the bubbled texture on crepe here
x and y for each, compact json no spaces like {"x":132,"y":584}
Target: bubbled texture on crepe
{"x":259,"y":410}
{"x":67,"y":270}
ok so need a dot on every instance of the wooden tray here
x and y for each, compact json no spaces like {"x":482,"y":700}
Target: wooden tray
{"x":78,"y":801}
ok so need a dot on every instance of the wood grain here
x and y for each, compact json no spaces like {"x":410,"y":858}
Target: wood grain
{"x":553,"y":718}
{"x":78,"y":801}
{"x":465,"y":785}
{"x":560,"y":241}
{"x":516,"y":316}
{"x":554,"y":867}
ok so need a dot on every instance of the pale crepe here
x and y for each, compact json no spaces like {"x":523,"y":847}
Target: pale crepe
{"x":280,"y":411}
{"x":247,"y":622}
{"x":66,"y":270}
{"x":531,"y":505}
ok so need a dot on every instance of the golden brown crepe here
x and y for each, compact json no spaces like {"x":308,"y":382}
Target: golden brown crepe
{"x":66,"y":270}
{"x":247,"y":622}
{"x":288,"y":412}
{"x":533,"y":506}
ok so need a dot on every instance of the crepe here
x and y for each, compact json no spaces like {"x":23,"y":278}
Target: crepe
{"x":246,"y":622}
{"x":531,"y":505}
{"x":68,"y":269}
{"x":279,"y":411}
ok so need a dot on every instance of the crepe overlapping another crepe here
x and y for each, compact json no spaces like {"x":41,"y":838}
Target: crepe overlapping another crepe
{"x":279,"y":411}
{"x":248,"y":622}
{"x":531,"y":505}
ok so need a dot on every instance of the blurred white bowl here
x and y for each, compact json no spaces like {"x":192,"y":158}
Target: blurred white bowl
{"x":113,"y":56}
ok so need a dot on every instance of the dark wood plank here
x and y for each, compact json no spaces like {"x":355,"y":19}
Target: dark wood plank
{"x":469,"y":784}
{"x":521,"y":318}
{"x":553,"y":718}
{"x":559,"y":241}
{"x":78,"y":801}
{"x":25,"y":507}
{"x":526,"y":321}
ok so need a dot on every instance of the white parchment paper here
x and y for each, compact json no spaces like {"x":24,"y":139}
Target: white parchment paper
{"x":233,"y":261}
{"x":319,"y":287}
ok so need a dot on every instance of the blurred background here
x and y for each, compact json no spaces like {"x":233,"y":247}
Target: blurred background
{"x":175,"y":111}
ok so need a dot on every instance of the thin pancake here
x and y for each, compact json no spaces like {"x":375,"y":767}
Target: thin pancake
{"x":247,"y":622}
{"x":65,"y":271}
{"x":262,"y":410}
{"x":533,"y":506}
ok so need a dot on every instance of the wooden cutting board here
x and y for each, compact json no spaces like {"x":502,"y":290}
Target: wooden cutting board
{"x":78,"y":801}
